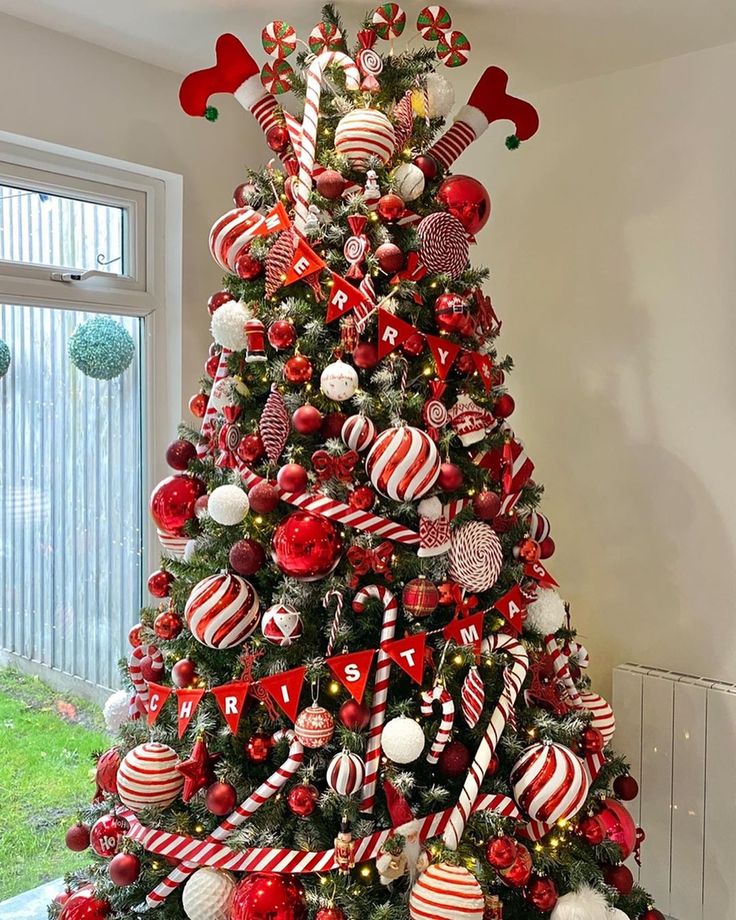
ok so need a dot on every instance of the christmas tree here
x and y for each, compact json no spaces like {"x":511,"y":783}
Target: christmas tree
{"x":357,"y":694}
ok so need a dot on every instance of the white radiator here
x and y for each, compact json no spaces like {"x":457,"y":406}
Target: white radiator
{"x":679,"y":733}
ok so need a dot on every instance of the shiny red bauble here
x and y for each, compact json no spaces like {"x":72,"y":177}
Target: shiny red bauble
{"x":486,"y":506}
{"x":542,"y":894}
{"x":467,"y":200}
{"x":330,"y":913}
{"x":277,"y":138}
{"x":263,"y":497}
{"x":247,"y":267}
{"x":172,"y":502}
{"x":298,"y":369}
{"x":268,"y":896}
{"x":106,"y":771}
{"x":591,"y":741}
{"x":124,"y":869}
{"x":183,"y":672}
{"x":389,"y":257}
{"x":247,"y":557}
{"x":451,"y":313}
{"x":198,"y":405}
{"x":501,"y":852}
{"x":242,"y":194}
{"x":618,"y":826}
{"x":504,"y":406}
{"x":220,"y":799}
{"x":306,"y":546}
{"x":354,"y":716}
{"x":620,"y":878}
{"x":450,"y":478}
{"x":414,"y":345}
{"x":427,"y":164}
{"x":362,"y":498}
{"x":390,"y":207}
{"x":365,"y":355}
{"x":591,"y":831}
{"x":167,"y":625}
{"x":330,"y":184}
{"x":302,"y":800}
{"x":292,"y":477}
{"x":258,"y":747}
{"x":134,"y":635}
{"x":653,"y":914}
{"x":159,"y":583}
{"x":307,"y":419}
{"x":84,"y":906}
{"x":332,"y":425}
{"x":546,"y":548}
{"x":211,"y":365}
{"x":282,"y":334}
{"x":180,"y":453}
{"x":454,"y":761}
{"x":251,"y":448}
{"x":77,"y":837}
{"x":218,"y":299}
{"x":626,"y":788}
{"x":520,"y":871}
{"x":107,"y":835}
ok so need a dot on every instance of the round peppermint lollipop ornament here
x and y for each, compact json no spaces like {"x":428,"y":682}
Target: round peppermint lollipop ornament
{"x":476,"y":556}
{"x":222,"y":610}
{"x":364,"y":134}
{"x":148,"y":778}
{"x":282,"y":625}
{"x":443,"y":244}
{"x":403,"y":463}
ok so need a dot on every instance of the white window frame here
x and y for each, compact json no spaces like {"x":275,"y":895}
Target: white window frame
{"x":152,"y":288}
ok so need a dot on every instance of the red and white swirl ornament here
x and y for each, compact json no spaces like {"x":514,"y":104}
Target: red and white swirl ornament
{"x":358,"y":432}
{"x":549,"y":783}
{"x":148,"y":778}
{"x":222,"y":610}
{"x":388,"y":20}
{"x":403,"y":463}
{"x":538,"y":525}
{"x":277,"y":77}
{"x":473,"y":697}
{"x":433,"y":22}
{"x":325,"y":36}
{"x":443,"y":244}
{"x":232,"y":234}
{"x":441,"y":695}
{"x":476,"y":557}
{"x":434,"y":411}
{"x":363,"y":134}
{"x":603,"y":718}
{"x":356,"y":246}
{"x":346,"y":773}
{"x":369,"y":61}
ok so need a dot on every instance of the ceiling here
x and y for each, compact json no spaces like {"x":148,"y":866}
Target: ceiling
{"x":542,"y":42}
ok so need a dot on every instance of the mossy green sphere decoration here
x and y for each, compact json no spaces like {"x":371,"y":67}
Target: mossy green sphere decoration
{"x":4,"y":358}
{"x":101,"y":348}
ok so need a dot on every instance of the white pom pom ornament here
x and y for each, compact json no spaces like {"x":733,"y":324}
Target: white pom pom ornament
{"x":546,"y":614}
{"x":339,"y":381}
{"x":115,"y":710}
{"x":583,"y":904}
{"x":408,"y":181}
{"x":208,"y":894}
{"x":402,"y":740}
{"x":440,"y":94}
{"x":228,"y":325}
{"x":228,"y":505}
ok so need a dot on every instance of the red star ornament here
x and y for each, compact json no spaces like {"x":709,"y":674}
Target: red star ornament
{"x":198,"y":771}
{"x":545,"y":688}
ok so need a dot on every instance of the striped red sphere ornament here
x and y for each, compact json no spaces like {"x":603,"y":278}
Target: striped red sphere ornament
{"x":538,"y":525}
{"x":403,"y":463}
{"x":446,"y":892}
{"x":363,"y":134}
{"x":358,"y":432}
{"x":603,"y":718}
{"x":346,"y":773}
{"x":549,"y":783}
{"x":222,"y":610}
{"x":148,"y":778}
{"x":473,"y":697}
{"x":232,"y":234}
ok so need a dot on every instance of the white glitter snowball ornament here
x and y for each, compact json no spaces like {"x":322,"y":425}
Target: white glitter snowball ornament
{"x":208,"y":894}
{"x":403,"y":740}
{"x":339,"y":381}
{"x":408,"y":181}
{"x":440,"y":95}
{"x":583,"y":904}
{"x":115,"y":710}
{"x":228,"y":505}
{"x":228,"y":325}
{"x":546,"y":614}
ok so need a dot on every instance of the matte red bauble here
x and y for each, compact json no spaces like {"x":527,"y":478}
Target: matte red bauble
{"x":504,"y":406}
{"x":354,"y":716}
{"x":332,"y":425}
{"x":307,"y":420}
{"x":277,"y":138}
{"x":268,"y":896}
{"x":427,"y":164}
{"x":167,"y":625}
{"x":247,"y":557}
{"x":292,"y":478}
{"x":106,"y":771}
{"x":306,"y":546}
{"x":83,"y":906}
{"x":451,"y":312}
{"x":620,"y":878}
{"x":362,"y":498}
{"x":520,"y":870}
{"x":124,"y":869}
{"x":365,"y":355}
{"x":172,"y":502}
{"x":134,"y":635}
{"x":390,"y":207}
{"x":626,"y":788}
{"x":501,"y":852}
{"x":454,"y":761}
{"x":467,"y":200}
{"x":486,"y":505}
{"x":591,"y":741}
{"x":414,"y":345}
{"x":653,"y":914}
{"x":242,"y":194}
{"x":330,"y":184}
{"x":183,"y":672}
{"x":302,"y":800}
{"x":450,"y":478}
{"x":218,"y":299}
{"x":390,"y":258}
{"x":542,"y":894}
{"x":298,"y":369}
{"x":420,"y":597}
{"x":258,"y":747}
{"x":247,"y":267}
{"x":546,"y":548}
{"x":251,"y":448}
{"x":159,"y":583}
{"x":220,"y":799}
{"x":263,"y":497}
{"x":211,"y":365}
{"x":330,"y":913}
{"x":77,"y":837}
{"x":107,"y":835}
{"x":282,"y":334}
{"x":198,"y":405}
{"x":180,"y":453}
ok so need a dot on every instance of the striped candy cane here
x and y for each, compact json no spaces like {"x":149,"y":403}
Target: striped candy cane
{"x":335,"y":595}
{"x":502,"y":714}
{"x":218,"y":398}
{"x":136,"y":677}
{"x":309,"y":125}
{"x":439,"y":694}
{"x":562,"y":670}
{"x":380,"y":687}
{"x":199,"y":849}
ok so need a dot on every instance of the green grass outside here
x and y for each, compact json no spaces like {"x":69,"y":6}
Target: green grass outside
{"x":45,"y":776}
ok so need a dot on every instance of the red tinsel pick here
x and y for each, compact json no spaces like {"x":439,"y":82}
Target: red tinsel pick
{"x":545,"y":689}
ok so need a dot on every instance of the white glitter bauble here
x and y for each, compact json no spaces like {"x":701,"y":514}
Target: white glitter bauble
{"x":584,"y":904}
{"x":546,"y":614}
{"x":115,"y":710}
{"x":228,"y":325}
{"x":208,"y":894}
{"x":339,"y":381}
{"x":430,"y":508}
{"x":408,"y":181}
{"x":440,"y":95}
{"x":228,"y":505}
{"x":402,"y":740}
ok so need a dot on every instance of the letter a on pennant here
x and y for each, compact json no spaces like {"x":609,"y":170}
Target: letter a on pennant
{"x":353,"y":670}
{"x":408,"y":653}
{"x":157,"y":696}
{"x":511,"y":607}
{"x":392,"y":332}
{"x":285,"y":690}
{"x":231,"y":702}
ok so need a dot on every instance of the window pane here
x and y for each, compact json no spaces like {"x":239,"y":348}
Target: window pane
{"x":41,"y":229}
{"x":71,"y":498}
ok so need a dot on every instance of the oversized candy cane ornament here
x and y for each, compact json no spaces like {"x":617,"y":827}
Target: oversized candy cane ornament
{"x":136,"y":676}
{"x":380,"y":687}
{"x":193,"y":854}
{"x":439,"y":694}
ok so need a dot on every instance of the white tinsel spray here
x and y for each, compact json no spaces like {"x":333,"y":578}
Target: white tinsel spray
{"x":228,"y":325}
{"x":584,"y":904}
{"x":115,"y":710}
{"x":546,"y":614}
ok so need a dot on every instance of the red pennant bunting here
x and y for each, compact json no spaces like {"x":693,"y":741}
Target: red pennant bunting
{"x":408,"y":653}
{"x":285,"y":689}
{"x":231,"y":701}
{"x":511,"y":607}
{"x":353,"y":671}
{"x":392,"y":332}
{"x":444,"y":353}
{"x":484,"y":366}
{"x":343,"y":298}
{"x":277,"y":219}
{"x":186,"y":702}
{"x":304,"y":262}
{"x":538,"y":572}
{"x":466,"y":631}
{"x":157,"y":696}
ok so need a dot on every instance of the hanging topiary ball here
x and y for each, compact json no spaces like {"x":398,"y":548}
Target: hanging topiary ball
{"x":4,"y":358}
{"x":101,"y":348}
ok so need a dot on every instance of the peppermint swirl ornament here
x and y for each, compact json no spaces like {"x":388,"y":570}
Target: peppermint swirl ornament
{"x":433,"y":22}
{"x":276,"y":77}
{"x":403,"y":463}
{"x":443,"y":244}
{"x":476,"y":557}
{"x":358,"y":432}
{"x":346,"y":773}
{"x":325,"y":36}
{"x":434,"y":414}
{"x":222,"y":610}
{"x":538,"y":525}
{"x":278,"y":39}
{"x":388,"y":20}
{"x":549,"y":783}
{"x":453,"y":49}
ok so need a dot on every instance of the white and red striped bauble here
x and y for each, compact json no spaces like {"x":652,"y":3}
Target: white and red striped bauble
{"x":476,"y":556}
{"x":222,"y":610}
{"x":538,"y":525}
{"x":172,"y":544}
{"x":446,"y":892}
{"x":549,"y":783}
{"x":403,"y":463}
{"x":472,"y":697}
{"x":603,"y":717}
{"x":232,"y":234}
{"x":314,"y":727}
{"x":363,"y":134}
{"x":358,"y":432}
{"x":346,"y":773}
{"x":282,"y":625}
{"x":148,"y":778}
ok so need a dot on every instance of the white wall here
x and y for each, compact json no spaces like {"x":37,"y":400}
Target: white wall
{"x":612,"y":246}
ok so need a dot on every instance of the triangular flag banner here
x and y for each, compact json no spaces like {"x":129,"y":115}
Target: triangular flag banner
{"x":466,"y":631}
{"x":511,"y":607}
{"x":408,"y":653}
{"x":343,"y":298}
{"x":392,"y":332}
{"x":186,"y":703}
{"x":277,"y":219}
{"x":285,"y":689}
{"x":444,"y":354}
{"x":231,"y":701}
{"x":157,"y":696}
{"x":353,"y":671}
{"x":304,"y":262}
{"x":538,"y":572}
{"x":484,"y":366}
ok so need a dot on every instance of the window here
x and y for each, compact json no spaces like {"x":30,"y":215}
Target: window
{"x":81,"y":236}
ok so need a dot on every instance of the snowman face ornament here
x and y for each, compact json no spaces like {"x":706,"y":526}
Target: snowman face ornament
{"x":339,"y":381}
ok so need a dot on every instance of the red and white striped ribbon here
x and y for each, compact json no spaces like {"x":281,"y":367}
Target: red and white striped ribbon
{"x":218,"y":398}
{"x":439,"y":694}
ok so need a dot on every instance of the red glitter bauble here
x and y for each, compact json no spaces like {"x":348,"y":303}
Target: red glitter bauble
{"x":330,"y":184}
{"x":427,"y":164}
{"x":242,"y":194}
{"x":83,"y":905}
{"x":520,"y":870}
{"x":504,"y":406}
{"x":365,"y":355}
{"x":106,"y":771}
{"x":247,"y":267}
{"x":330,"y":913}
{"x":183,"y":673}
{"x":159,"y":583}
{"x":390,"y":258}
{"x":591,"y":741}
{"x":292,"y":478}
{"x":414,"y":345}
{"x":486,"y":505}
{"x":198,"y":405}
{"x":268,"y":896}
{"x":420,"y":597}
{"x":620,"y":878}
{"x":167,"y":625}
{"x":546,"y":548}
{"x":362,"y":498}
{"x":390,"y":207}
{"x":282,"y":334}
{"x":454,"y":761}
{"x":247,"y":557}
{"x":542,"y":894}
{"x":451,"y":312}
{"x":180,"y":453}
{"x":307,"y":419}
{"x":77,"y":837}
{"x":332,"y":425}
{"x":251,"y":448}
{"x":450,"y":478}
{"x":124,"y":869}
{"x":220,"y":799}
{"x":354,"y":716}
{"x":626,"y":788}
{"x":258,"y":747}
{"x":302,"y":800}
{"x":172,"y":502}
{"x":211,"y":365}
{"x":467,"y":200}
{"x":263,"y":497}
{"x":277,"y":138}
{"x":306,"y":546}
{"x":298,"y":369}
{"x":501,"y":852}
{"x":134,"y":635}
{"x":218,"y":299}
{"x":465,"y":363}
